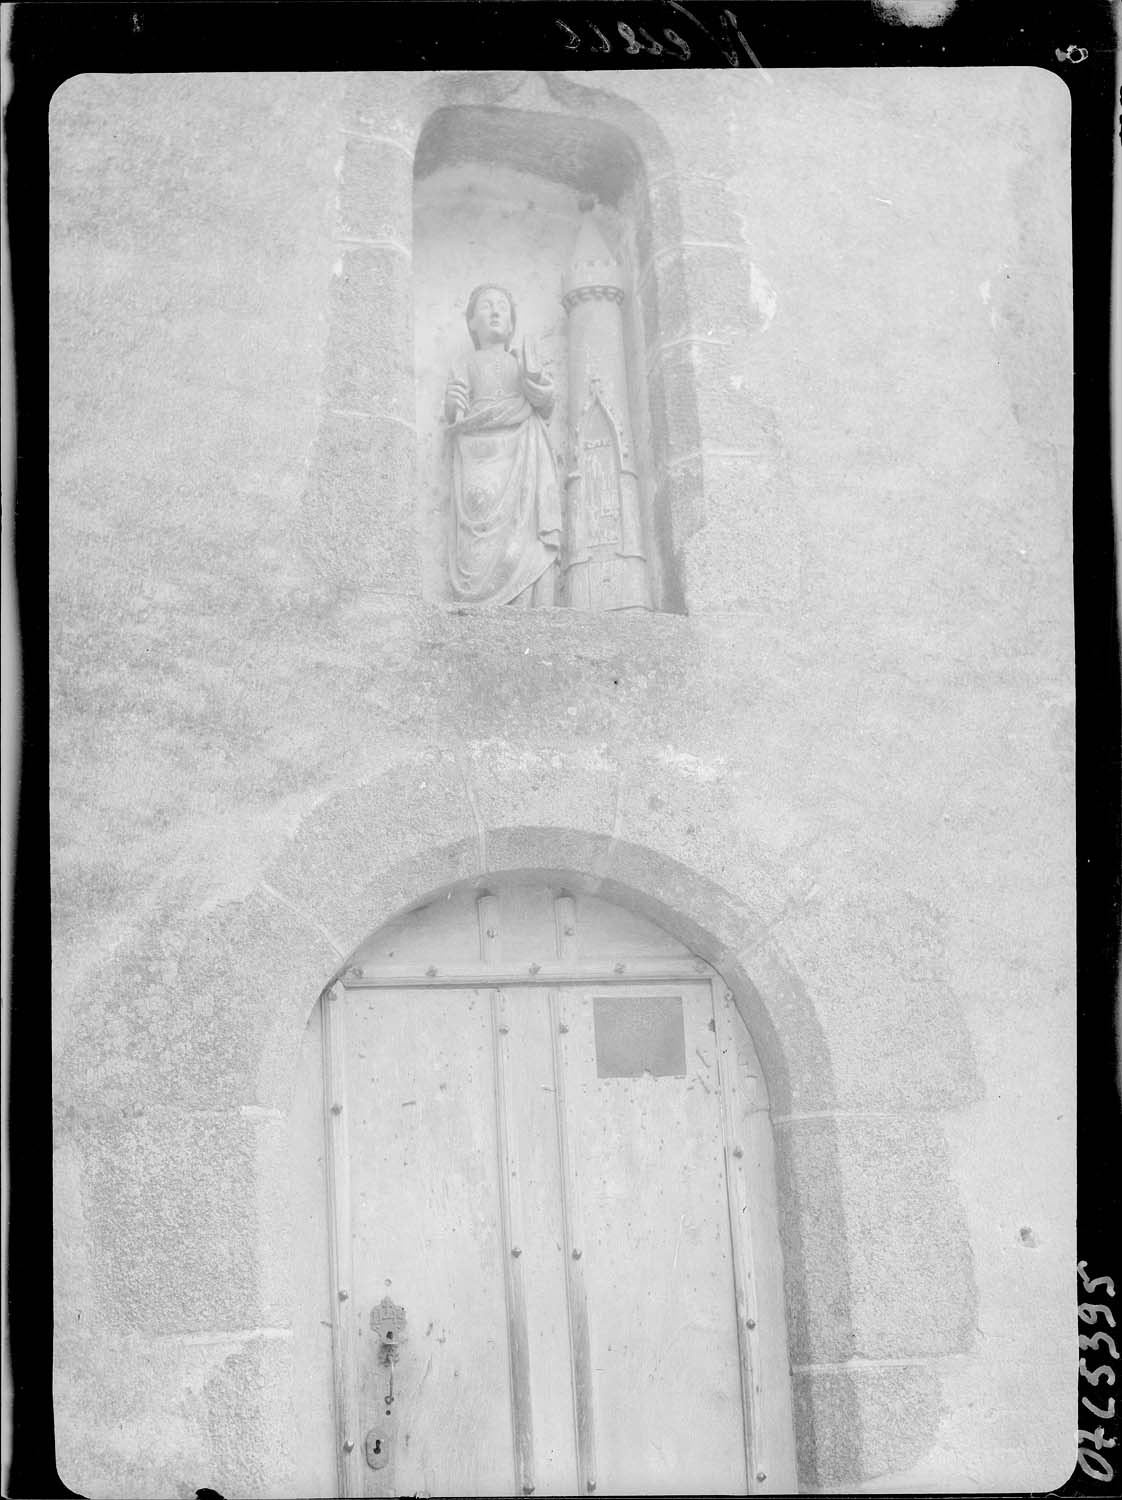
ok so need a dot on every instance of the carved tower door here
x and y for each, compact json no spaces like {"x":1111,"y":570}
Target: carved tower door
{"x":553,"y":1247}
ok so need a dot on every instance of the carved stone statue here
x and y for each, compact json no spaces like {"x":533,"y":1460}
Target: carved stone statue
{"x":604,"y":558}
{"x":505,"y":516}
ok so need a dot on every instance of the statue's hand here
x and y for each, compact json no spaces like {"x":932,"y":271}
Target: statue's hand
{"x":538,"y":389}
{"x":531,"y":360}
{"x":456,"y":398}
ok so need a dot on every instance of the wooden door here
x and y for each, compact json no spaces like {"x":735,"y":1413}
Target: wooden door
{"x":543,"y":1215}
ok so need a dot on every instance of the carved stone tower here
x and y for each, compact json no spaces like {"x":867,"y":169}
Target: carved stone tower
{"x":604,"y":558}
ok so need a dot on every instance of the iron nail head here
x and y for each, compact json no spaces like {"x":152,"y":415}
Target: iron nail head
{"x":491,"y":932}
{"x":577,"y":1254}
{"x":760,"y":1476}
{"x":348,"y":1446}
{"x":516,"y":1250}
{"x":749,"y":1322}
{"x":343,"y":1295}
{"x":336,"y":1109}
{"x":738,"y":1151}
{"x":563,"y":1029}
{"x":431,"y":971}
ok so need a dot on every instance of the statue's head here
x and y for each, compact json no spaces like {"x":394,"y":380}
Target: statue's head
{"x":490,"y":316}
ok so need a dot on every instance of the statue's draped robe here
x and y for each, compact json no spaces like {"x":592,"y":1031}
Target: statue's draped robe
{"x":505,"y":513}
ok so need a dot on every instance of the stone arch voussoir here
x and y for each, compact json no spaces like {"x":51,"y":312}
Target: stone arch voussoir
{"x":695,"y":909}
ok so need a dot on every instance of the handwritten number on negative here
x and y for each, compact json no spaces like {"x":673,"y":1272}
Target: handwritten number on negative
{"x":638,"y":39}
{"x":1088,"y":1312}
{"x":1094,"y":1340}
{"x":1090,"y":1286}
{"x":1091,"y":1444}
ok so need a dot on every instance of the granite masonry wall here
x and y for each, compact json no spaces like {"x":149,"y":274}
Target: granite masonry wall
{"x":840,"y":766}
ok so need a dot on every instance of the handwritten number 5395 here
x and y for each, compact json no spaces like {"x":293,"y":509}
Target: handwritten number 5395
{"x":1091,"y":1444}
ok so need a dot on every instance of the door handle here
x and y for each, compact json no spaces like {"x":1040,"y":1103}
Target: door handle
{"x":387,"y":1323}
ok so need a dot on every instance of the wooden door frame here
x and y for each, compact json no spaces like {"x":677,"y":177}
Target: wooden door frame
{"x":765,"y":1375}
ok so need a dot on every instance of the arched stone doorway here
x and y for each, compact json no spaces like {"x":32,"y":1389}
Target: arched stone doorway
{"x":550,"y":1259}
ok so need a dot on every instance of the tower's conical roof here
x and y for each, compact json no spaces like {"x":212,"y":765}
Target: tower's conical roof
{"x":592,"y":263}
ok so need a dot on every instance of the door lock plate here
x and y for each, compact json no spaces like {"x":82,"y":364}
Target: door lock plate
{"x":377,"y":1446}
{"x":387,"y":1323}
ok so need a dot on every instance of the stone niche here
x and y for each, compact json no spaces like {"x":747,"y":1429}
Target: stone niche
{"x":501,"y":196}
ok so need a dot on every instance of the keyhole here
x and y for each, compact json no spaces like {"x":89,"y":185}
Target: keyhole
{"x":377,"y":1445}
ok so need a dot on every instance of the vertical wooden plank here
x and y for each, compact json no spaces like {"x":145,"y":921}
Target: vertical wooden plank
{"x":533,"y":1132}
{"x":487,"y":917}
{"x":565,"y":923}
{"x":510,"y":1209}
{"x":510,"y":1205}
{"x":740,"y":1207}
{"x":658,"y":1256}
{"x":424,"y":1195}
{"x":338,"y":1175}
{"x":573,"y":1243}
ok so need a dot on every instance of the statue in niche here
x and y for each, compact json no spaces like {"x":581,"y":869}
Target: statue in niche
{"x":505,"y":520}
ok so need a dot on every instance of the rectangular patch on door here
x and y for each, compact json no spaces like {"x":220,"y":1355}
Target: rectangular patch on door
{"x":640,"y":1034}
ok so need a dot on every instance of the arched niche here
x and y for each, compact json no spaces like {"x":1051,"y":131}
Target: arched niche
{"x":534,"y":1203}
{"x":497,"y":196}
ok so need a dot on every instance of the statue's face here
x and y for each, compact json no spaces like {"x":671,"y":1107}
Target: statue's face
{"x":491,"y":321}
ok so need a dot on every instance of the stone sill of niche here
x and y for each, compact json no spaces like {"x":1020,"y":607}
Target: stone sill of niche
{"x":549,"y":612}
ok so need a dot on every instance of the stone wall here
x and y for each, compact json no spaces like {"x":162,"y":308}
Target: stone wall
{"x":843,"y":772}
